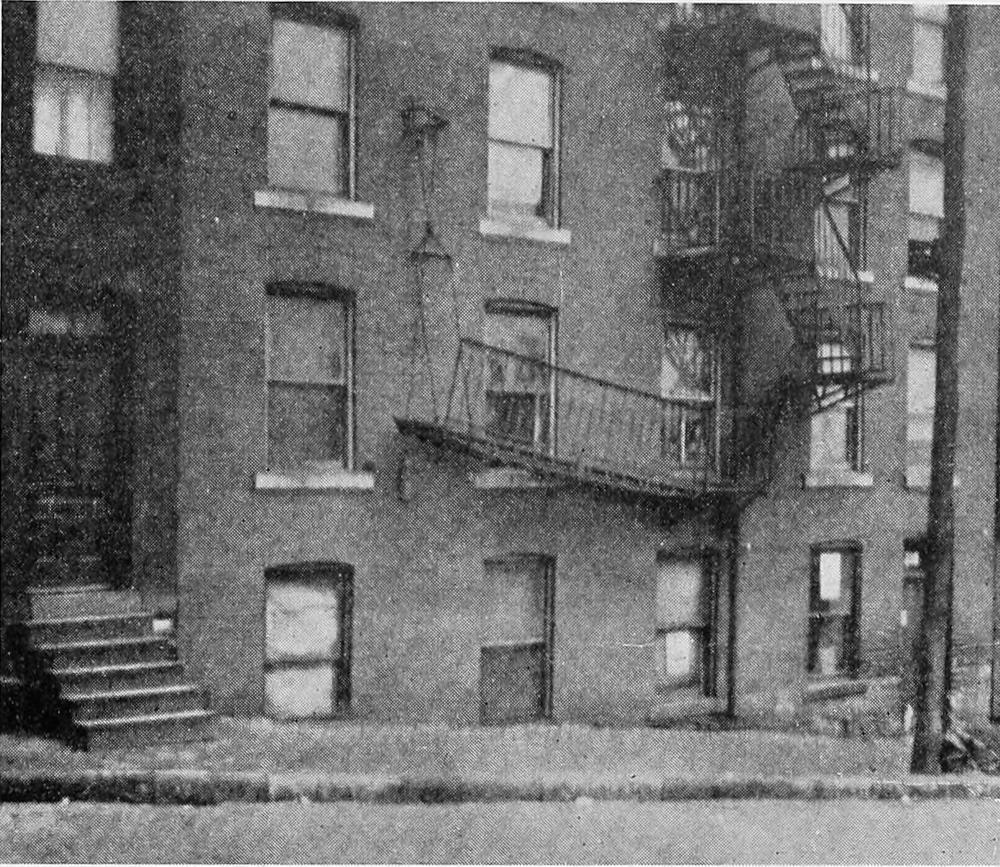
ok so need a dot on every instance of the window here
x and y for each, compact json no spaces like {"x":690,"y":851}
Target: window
{"x":840,"y":32}
{"x":311,"y":116}
{"x":920,"y":384}
{"x":688,"y":379}
{"x":926,"y":212}
{"x":836,"y":235}
{"x":928,"y":43}
{"x":685,"y":613}
{"x":310,"y":394}
{"x":517,"y":617}
{"x":837,"y":437}
{"x":307,"y":640}
{"x":77,"y":58}
{"x":690,"y":204}
{"x":833,"y":610}
{"x":523,"y":152}
{"x":520,"y":378}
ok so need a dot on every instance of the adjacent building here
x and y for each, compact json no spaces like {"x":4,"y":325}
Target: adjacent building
{"x":492,"y":363}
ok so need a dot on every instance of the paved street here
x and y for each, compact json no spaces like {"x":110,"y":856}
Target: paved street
{"x":718,"y":831}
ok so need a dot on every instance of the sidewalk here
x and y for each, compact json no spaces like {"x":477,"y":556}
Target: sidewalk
{"x":256,"y":759}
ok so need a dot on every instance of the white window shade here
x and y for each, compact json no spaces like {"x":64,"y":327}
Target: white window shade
{"x":926,"y":184}
{"x":920,"y":379}
{"x":521,"y":105}
{"x":307,"y":339}
{"x":79,"y":35}
{"x":525,"y":335}
{"x":302,"y":621}
{"x":678,"y":592}
{"x":928,"y":52}
{"x":310,"y":65}
{"x":936,"y":12}
{"x":513,"y":602}
{"x":515,"y":179}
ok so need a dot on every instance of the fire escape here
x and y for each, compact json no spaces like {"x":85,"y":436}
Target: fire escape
{"x":796,"y":220}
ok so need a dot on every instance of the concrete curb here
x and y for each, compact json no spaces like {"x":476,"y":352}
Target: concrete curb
{"x":201,"y":788}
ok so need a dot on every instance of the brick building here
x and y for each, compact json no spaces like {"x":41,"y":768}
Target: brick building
{"x":487,"y":363}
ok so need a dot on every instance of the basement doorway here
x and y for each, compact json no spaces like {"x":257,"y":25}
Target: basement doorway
{"x":515,"y":667}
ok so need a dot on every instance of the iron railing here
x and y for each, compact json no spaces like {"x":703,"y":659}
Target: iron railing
{"x":522,"y":409}
{"x":690,"y":209}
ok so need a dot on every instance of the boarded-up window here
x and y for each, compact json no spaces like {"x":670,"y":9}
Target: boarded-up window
{"x":77,"y":58}
{"x":926,"y":212}
{"x":310,"y":406}
{"x":307,"y":640}
{"x":928,"y":43}
{"x":833,"y":611}
{"x":310,"y":119}
{"x":920,"y":383}
{"x":522,"y":142}
{"x":684,"y":625}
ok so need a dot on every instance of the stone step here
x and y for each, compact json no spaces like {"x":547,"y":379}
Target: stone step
{"x":141,"y":702}
{"x":108,"y":678}
{"x":88,"y":627}
{"x":134,"y":731}
{"x":108,"y":651}
{"x":76,"y":600}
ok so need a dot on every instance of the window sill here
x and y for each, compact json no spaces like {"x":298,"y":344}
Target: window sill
{"x":838,"y":478}
{"x":920,"y":284}
{"x":490,"y":228}
{"x":926,"y":88}
{"x":507,"y":479}
{"x":835,"y":687}
{"x":334,"y":479}
{"x":314,"y":203}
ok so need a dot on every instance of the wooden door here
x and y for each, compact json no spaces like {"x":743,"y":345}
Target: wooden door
{"x":71,"y":443}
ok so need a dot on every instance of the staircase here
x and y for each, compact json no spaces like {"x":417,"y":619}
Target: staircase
{"x":116,"y":672}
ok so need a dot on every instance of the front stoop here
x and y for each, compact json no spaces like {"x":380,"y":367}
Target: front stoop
{"x":121,"y":680}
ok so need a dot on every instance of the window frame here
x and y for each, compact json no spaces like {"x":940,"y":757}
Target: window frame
{"x":522,"y":308}
{"x":341,"y":577}
{"x":713,"y":403}
{"x":316,"y":15}
{"x":705,"y":672}
{"x":546,"y":564}
{"x":334,"y":295}
{"x":109,"y":79}
{"x":849,"y":664}
{"x":552,"y":190}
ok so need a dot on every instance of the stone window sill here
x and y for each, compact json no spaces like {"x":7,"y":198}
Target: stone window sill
{"x":506,"y":479}
{"x":920,"y":284}
{"x":314,"y":203}
{"x":834,"y":688}
{"x":926,"y":88}
{"x":333,"y":479}
{"x":493,"y":228}
{"x":838,"y":478}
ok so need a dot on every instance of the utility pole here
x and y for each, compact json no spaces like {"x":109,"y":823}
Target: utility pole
{"x":934,"y":641}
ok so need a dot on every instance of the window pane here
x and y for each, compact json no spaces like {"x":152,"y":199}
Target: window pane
{"x":306,"y":425}
{"x":78,"y":121}
{"x":928,"y":52}
{"x":81,"y":35}
{"x":835,"y":31}
{"x":520,"y":105}
{"x":307,"y":339}
{"x":302,"y":620}
{"x":920,"y":381}
{"x":48,"y":111}
{"x":306,"y":151}
{"x":310,"y":65}
{"x":678,"y":592}
{"x":829,"y":645}
{"x":525,"y":335}
{"x":678,"y":652}
{"x":102,"y":122}
{"x":302,"y":691}
{"x":828,"y":441}
{"x":926,"y":184}
{"x":513,"y":609}
{"x":687,"y":369}
{"x":515,"y":183}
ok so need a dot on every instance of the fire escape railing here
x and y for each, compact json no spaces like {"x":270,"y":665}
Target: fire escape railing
{"x":523,"y":411}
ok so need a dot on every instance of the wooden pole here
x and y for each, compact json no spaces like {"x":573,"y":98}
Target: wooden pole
{"x":934,"y":641}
